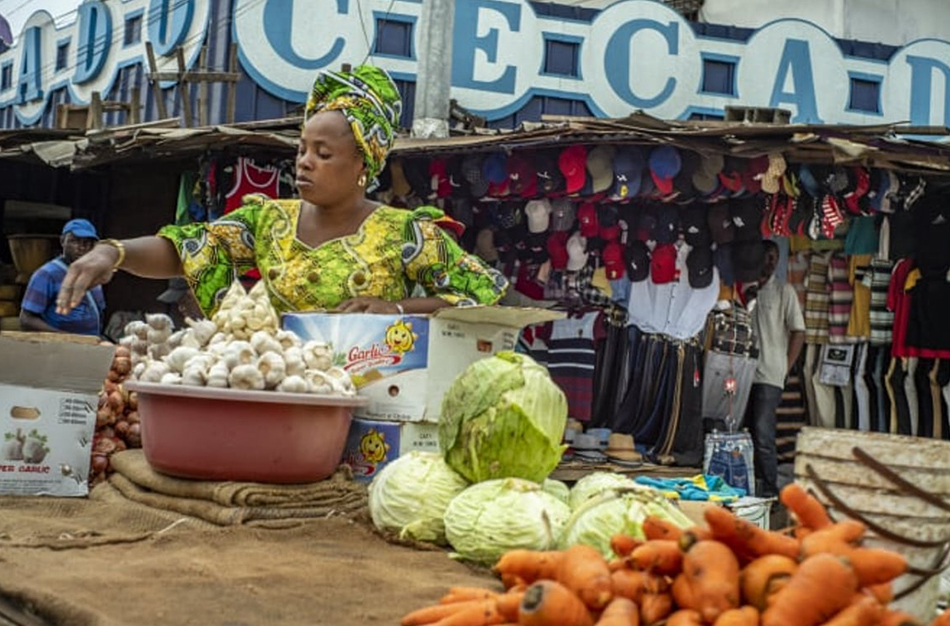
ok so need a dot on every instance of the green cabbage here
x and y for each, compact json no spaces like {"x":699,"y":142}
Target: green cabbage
{"x":410,"y":495}
{"x":491,"y":517}
{"x":557,"y":489}
{"x":595,"y":484}
{"x":503,"y":417}
{"x":618,"y":510}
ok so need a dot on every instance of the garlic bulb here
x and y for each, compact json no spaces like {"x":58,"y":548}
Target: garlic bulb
{"x":137,"y":328}
{"x":157,"y":351}
{"x":318,"y":355}
{"x":174,"y":339}
{"x":319,"y":382}
{"x":127,"y":341}
{"x":217,"y":338}
{"x":154,"y":371}
{"x":159,"y":321}
{"x":246,"y":376}
{"x":138,"y":346}
{"x":138,"y":368}
{"x":262,"y":342}
{"x":341,"y":381}
{"x":156,"y":336}
{"x":218,"y":375}
{"x":293,"y":359}
{"x":189,"y":340}
{"x":294,"y":384}
{"x":239,"y":353}
{"x":171,"y":378}
{"x":177,"y":358}
{"x":194,"y":376}
{"x":202,"y":330}
{"x":288,"y":339}
{"x":272,"y":368}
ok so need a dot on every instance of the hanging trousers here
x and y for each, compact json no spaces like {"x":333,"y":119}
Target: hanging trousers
{"x":877,"y":361}
{"x":910,"y":390}
{"x":897,"y":375}
{"x":862,"y":395}
{"x":925,"y":404}
{"x":809,"y":366}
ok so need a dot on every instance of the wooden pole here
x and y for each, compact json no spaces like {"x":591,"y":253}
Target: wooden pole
{"x":184,"y":88}
{"x":232,"y":87}
{"x":203,"y":88}
{"x":135,"y":107}
{"x":156,"y":87}
{"x":94,"y":113}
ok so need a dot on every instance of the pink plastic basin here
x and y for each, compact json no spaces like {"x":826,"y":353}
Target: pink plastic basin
{"x":228,"y":434}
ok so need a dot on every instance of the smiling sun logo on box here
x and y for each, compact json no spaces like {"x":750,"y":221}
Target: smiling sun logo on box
{"x":400,"y":338}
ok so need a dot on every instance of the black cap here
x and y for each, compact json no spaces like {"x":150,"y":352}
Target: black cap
{"x":747,"y":219}
{"x":747,"y":260}
{"x":720,"y":223}
{"x":700,"y":266}
{"x":550,"y":178}
{"x":638,"y":260}
{"x":695,"y":229}
{"x":417,"y":174}
{"x":666,"y":230}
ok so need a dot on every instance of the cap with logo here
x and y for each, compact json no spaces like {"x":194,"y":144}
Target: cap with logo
{"x":663,"y":264}
{"x":587,"y":217}
{"x":638,"y":260}
{"x":573,"y":165}
{"x":664,"y":166}
{"x":600,"y":166}
{"x":549,"y":177}
{"x":628,"y":172}
{"x":747,"y":219}
{"x":720,"y":223}
{"x":614,"y":263}
{"x":666,"y":230}
{"x":699,"y":264}
{"x":522,"y":177}
{"x":695,"y":229}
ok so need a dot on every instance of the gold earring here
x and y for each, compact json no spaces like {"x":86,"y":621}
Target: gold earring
{"x":361,"y":181}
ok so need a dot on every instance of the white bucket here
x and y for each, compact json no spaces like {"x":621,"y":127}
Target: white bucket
{"x":837,"y":458}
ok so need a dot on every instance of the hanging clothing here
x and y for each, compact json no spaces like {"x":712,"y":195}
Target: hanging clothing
{"x":250,"y":179}
{"x":674,"y":309}
{"x":840,"y":297}
{"x":571,"y":360}
{"x":859,"y":320}
{"x":392,"y":251}
{"x":817,"y":299}
{"x":878,"y":279}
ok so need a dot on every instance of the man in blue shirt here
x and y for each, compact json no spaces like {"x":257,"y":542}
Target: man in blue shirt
{"x":38,"y":310}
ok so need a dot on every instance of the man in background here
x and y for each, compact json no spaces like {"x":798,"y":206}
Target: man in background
{"x":38,"y":310}
{"x":780,"y":327}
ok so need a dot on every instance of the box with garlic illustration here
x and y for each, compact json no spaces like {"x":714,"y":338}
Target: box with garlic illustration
{"x":405,"y":363}
{"x":49,"y":387}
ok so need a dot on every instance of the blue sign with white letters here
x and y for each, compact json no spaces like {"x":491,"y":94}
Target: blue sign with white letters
{"x":635,"y":54}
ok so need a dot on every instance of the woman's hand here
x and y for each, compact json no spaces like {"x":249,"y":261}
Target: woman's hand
{"x":368,"y":305}
{"x":91,"y":269}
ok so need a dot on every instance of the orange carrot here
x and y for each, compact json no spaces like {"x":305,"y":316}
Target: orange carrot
{"x":629,"y":584}
{"x":528,"y":565}
{"x":614,"y":564}
{"x":584,"y":571}
{"x":654,"y":607}
{"x":712,"y":571}
{"x":623,"y":545}
{"x":745,"y":616}
{"x":683,"y":593}
{"x":897,"y":618}
{"x":827,"y":539}
{"x":883,"y":593}
{"x":484,"y":613}
{"x":822,"y":586}
{"x":508,"y":605}
{"x":745,"y":537}
{"x":432,"y":614}
{"x":656,"y":528}
{"x":685,"y":617}
{"x":860,"y":613}
{"x":764,"y":576}
{"x":547,"y":603}
{"x":874,"y":566}
{"x":809,"y":511}
{"x":620,"y":612}
{"x":465,"y":594}
{"x":661,"y":556}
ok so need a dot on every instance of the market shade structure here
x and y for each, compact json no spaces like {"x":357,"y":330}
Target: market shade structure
{"x":891,"y":146}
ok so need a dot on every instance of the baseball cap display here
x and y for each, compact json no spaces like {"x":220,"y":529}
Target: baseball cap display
{"x":695,"y":229}
{"x":550,"y":179}
{"x":663,"y":264}
{"x":628,"y":173}
{"x":666,"y":229}
{"x":720,"y":223}
{"x":638,"y":260}
{"x":522,"y":177}
{"x":747,"y":258}
{"x":557,"y":250}
{"x":80,"y":228}
{"x":587,"y":217}
{"x":613,"y":260}
{"x":722,"y":259}
{"x":746,"y":218}
{"x":573,"y":165}
{"x":699,"y":262}
{"x":472,"y":173}
{"x":563,"y":215}
{"x":576,"y":252}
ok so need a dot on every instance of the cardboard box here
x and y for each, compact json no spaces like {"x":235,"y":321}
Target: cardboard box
{"x":372,"y":445}
{"x":405,"y":364}
{"x":49,"y":393}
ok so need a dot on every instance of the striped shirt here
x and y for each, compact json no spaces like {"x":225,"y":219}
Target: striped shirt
{"x":40,"y":299}
{"x":572,"y":359}
{"x":840,"y":296}
{"x":816,"y":299}
{"x":878,"y":279}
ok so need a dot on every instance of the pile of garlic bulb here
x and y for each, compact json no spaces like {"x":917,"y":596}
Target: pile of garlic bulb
{"x":241,"y":347}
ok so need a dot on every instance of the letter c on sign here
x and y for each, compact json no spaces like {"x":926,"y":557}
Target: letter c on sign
{"x":617,"y":61}
{"x":278,"y":28}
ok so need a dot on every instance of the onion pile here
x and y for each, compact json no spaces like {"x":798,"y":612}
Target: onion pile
{"x":117,"y":417}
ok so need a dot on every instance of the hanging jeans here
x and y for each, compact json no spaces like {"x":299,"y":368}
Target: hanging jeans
{"x":809,"y":366}
{"x":688,"y":440}
{"x":895,"y":380}
{"x":764,"y":402}
{"x":910,"y":390}
{"x":862,"y":395}
{"x":925,"y":404}
{"x":877,"y":361}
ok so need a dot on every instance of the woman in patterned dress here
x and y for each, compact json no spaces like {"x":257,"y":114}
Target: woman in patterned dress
{"x":331,"y":250}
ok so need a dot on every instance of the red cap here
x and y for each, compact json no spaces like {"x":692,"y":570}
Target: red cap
{"x":557,"y":249}
{"x":664,"y":186}
{"x":613,"y":261}
{"x":587,"y":217}
{"x":663,"y":264}
{"x":522,"y":176}
{"x":439,"y":173}
{"x":573,"y":165}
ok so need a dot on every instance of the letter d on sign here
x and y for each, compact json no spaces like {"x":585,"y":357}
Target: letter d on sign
{"x":168,"y":23}
{"x":95,"y":39}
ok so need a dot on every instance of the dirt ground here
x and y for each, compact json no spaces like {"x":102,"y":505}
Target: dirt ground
{"x":332,"y":571}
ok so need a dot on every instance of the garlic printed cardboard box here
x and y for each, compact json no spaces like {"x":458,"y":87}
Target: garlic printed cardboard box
{"x":372,"y":445}
{"x":405,"y":363}
{"x":48,"y":400}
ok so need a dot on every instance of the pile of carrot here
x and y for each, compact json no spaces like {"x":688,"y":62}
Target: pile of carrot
{"x":728,"y":573}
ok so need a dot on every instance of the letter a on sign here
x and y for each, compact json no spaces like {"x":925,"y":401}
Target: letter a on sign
{"x":796,"y":58}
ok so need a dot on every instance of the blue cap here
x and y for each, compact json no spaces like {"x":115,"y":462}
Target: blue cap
{"x":494,"y":168}
{"x":81,"y":228}
{"x":665,"y":161}
{"x":628,"y":172}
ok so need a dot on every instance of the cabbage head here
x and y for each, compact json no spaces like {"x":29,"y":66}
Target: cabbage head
{"x":410,"y":495}
{"x":491,"y":517}
{"x":595,"y":484}
{"x":503,"y":417}
{"x":557,"y":489}
{"x":618,"y":510}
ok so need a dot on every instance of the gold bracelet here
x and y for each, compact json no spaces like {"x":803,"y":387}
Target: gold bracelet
{"x":118,"y":245}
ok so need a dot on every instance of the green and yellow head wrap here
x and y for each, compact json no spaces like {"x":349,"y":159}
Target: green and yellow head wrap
{"x":369,"y":100}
